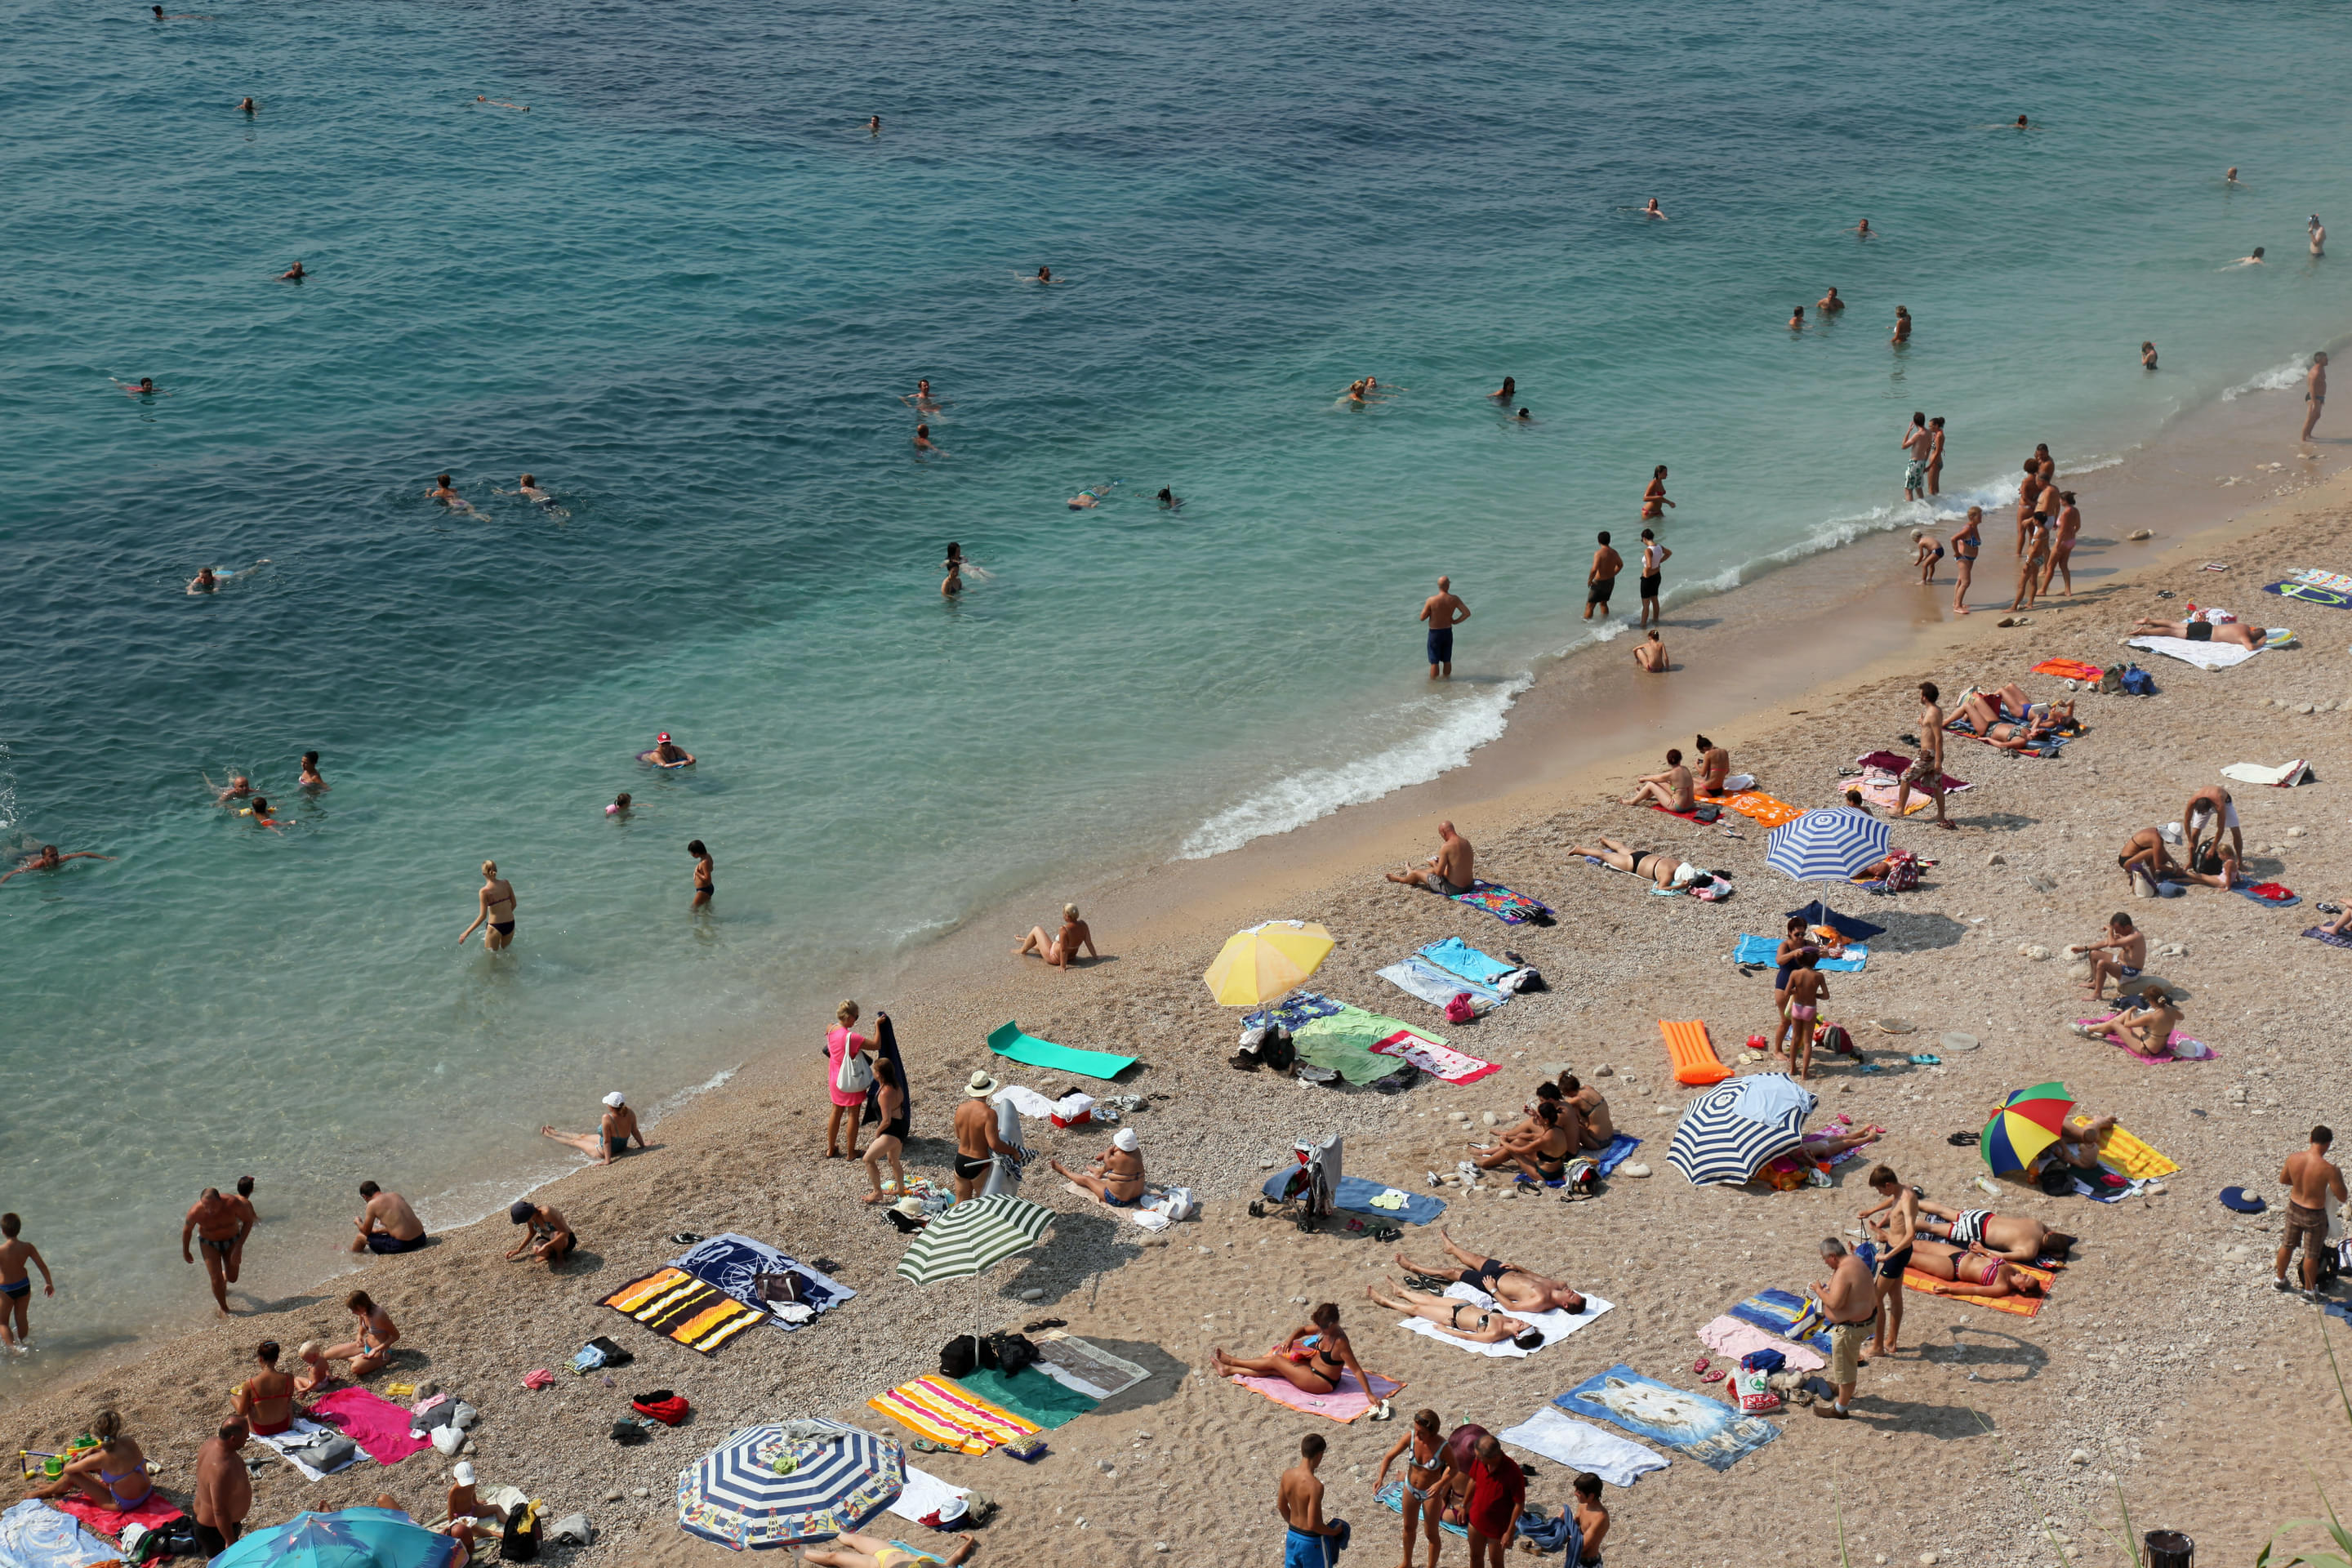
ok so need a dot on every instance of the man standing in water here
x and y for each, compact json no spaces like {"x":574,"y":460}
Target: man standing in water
{"x":1917,"y":442}
{"x":1601,"y":579}
{"x":2315,"y":393}
{"x":214,"y":1221}
{"x":1443,"y":612}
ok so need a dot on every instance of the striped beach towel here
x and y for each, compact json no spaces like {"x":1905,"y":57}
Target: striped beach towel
{"x":696,"y":1313}
{"x":946,"y":1411}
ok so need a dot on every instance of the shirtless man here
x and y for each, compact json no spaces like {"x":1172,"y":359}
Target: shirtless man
{"x":2062,"y":545}
{"x":614,"y":1130}
{"x":977,"y":1143}
{"x":2210,"y":808}
{"x":49,"y":859}
{"x":1449,"y":871}
{"x":1829,"y":304}
{"x":206,"y":581}
{"x":923,"y":442}
{"x":1443,"y":612}
{"x":386,"y":1223}
{"x":1714,"y":765}
{"x":2310,"y":1180}
{"x":1896,"y":1234}
{"x":1653,"y":563}
{"x":527,"y":488}
{"x":1916,"y":444}
{"x":1298,"y":1504}
{"x":1484,"y":1327}
{"x":550,"y":1238}
{"x":1520,"y":1289}
{"x":2237,"y":634}
{"x":2315,"y":390}
{"x":1936,"y":455}
{"x":2012,"y":1238}
{"x":1117,"y":1176}
{"x":668,"y":753}
{"x":1061,"y":950}
{"x":921,"y":397}
{"x":1926,"y":774}
{"x":146,"y":386}
{"x":2119,"y":958}
{"x":1672,"y":789}
{"x":1601,"y":578}
{"x":238,"y":787}
{"x":214,"y":1221}
{"x":17,"y":1285}
{"x":293,"y":274}
{"x":1600,"y":1132}
{"x":223,"y":1488}
{"x":1863,"y":231}
{"x":1650,"y":654}
{"x":1850,"y":1298}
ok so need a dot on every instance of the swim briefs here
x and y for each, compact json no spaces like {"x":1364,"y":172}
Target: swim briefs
{"x":378,"y":1241}
{"x":1892,"y":1266}
{"x":1650,"y":586}
{"x":1441,"y":645}
{"x":968,"y":1169}
{"x":21,"y":1288}
{"x":2200,"y":631}
{"x":1119,"y":1203}
{"x":1483,"y":1277}
{"x":1967,"y":1227}
{"x":1598,"y":592}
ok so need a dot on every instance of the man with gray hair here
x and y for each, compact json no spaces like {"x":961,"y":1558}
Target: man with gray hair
{"x":1850,"y":1301}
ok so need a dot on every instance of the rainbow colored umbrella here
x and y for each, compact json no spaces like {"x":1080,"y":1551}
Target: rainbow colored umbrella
{"x":2026,"y":1125}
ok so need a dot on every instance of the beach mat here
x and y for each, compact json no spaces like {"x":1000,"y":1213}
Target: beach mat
{"x":946,"y":1411}
{"x":1294,"y":1012}
{"x":35,"y":1535}
{"x":1764,"y":950}
{"x":1419,"y":978}
{"x":1758,"y":806}
{"x":677,"y":1306}
{"x":2069,"y":669}
{"x":157,"y":1509}
{"x":1442,"y":1062}
{"x":1581,"y":1445}
{"x":1511,"y":909}
{"x":1854,"y":928}
{"x":2133,"y":1157}
{"x":1731,"y":1338}
{"x":276,"y":1444}
{"x":1689,"y":1423}
{"x":1356,"y":1195}
{"x":2283,"y":898}
{"x":733,"y":1263}
{"x":1082,"y":1365}
{"x":2321,"y":934}
{"x":1621,"y":1149}
{"x":1692,"y":1054}
{"x":1458,"y":957}
{"x":2205,"y":656}
{"x":2196,"y":1050}
{"x":1030,"y":1394}
{"x":2015,"y":1306}
{"x":377,"y":1424}
{"x":1344,"y":1042}
{"x":1010,"y":1042}
{"x":1555,"y":1325}
{"x":1391,"y":1497}
{"x":1343,"y":1404}
{"x":1774,"y":1313}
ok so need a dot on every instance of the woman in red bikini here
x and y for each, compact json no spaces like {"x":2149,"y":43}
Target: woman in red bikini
{"x":266,"y":1399}
{"x":1964,"y":1271}
{"x":1312,"y":1359}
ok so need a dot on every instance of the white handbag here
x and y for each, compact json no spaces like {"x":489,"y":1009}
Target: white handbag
{"x":857,"y":1074}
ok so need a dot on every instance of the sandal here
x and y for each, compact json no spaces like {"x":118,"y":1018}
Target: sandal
{"x":925,"y":1445}
{"x":1700,"y":1366}
{"x":1717,"y":1376}
{"x":684,"y":1237}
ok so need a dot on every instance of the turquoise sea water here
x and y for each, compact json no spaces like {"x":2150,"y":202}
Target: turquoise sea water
{"x":686,"y":290}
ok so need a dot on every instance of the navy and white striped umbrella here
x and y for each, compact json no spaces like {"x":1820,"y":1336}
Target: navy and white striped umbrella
{"x":781,"y":1485}
{"x":1727,"y":1132}
{"x":1829,"y":845}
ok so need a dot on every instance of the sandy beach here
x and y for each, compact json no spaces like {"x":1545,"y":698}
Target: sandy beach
{"x":2163,"y":1372}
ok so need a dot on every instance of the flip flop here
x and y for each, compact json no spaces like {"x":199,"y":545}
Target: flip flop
{"x":684,"y":1237}
{"x":1717,"y":1376}
{"x":1923,"y":1059}
{"x":925,"y":1445}
{"x":1700,"y":1366}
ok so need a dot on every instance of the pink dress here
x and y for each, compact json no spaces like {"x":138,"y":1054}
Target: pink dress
{"x":836,"y":1040}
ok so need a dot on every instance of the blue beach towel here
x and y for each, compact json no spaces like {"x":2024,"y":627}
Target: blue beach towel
{"x":1416,"y":976}
{"x":1458,"y":957}
{"x":35,"y":1535}
{"x":2321,"y":934}
{"x":1621,"y":1148}
{"x":1356,"y":1195}
{"x":1773,"y":1312}
{"x":1846,"y":926}
{"x":732,"y":1262}
{"x":1294,"y":1011}
{"x":1764,"y":950}
{"x":1391,"y":1497}
{"x":2286,"y":903}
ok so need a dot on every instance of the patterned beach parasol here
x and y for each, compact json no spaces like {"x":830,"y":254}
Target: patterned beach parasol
{"x":1829,"y":845}
{"x":2026,"y":1125}
{"x":1735,"y":1127}
{"x":782,"y":1486}
{"x":1266,"y":962}
{"x":349,"y":1538}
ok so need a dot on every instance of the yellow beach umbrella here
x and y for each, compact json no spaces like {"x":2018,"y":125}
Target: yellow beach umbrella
{"x":1262,"y":962}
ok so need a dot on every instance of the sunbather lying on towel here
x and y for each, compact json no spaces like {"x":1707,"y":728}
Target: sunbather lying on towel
{"x":1521,"y":1289}
{"x":1482,"y":1329}
{"x":852,"y":1550}
{"x":2012,"y":1238}
{"x":1665,"y":870}
{"x":1960,"y":1271}
{"x":2146,"y":1028}
{"x":2236,"y":633}
{"x":1117,"y":1176}
{"x":1555,"y":1132}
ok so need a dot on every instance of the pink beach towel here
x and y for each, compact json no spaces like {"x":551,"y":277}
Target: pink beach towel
{"x":1343,"y":1404}
{"x":2184,"y":1048}
{"x":372,"y":1421}
{"x":1443,"y":1062}
{"x":1729,"y":1336}
{"x":157,"y":1509}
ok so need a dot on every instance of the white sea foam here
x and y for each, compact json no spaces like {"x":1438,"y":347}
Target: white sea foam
{"x":1464,"y":724}
{"x":2278,"y":378}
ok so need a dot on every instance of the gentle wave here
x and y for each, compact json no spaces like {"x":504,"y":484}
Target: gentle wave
{"x":2278,"y":378}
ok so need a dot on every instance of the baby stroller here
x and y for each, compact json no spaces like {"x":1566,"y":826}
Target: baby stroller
{"x":1309,"y":1192}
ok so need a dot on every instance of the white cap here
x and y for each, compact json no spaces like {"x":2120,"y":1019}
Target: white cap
{"x":1124,"y":1139}
{"x":614,"y":1099}
{"x":462,"y":1473}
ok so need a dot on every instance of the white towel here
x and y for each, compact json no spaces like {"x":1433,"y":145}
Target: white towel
{"x":1581,"y":1446}
{"x":1419,"y":977}
{"x":2286,"y":775}
{"x":301,"y":1425}
{"x":923,"y":1493}
{"x":1028,"y":1101}
{"x":2203,"y":655}
{"x":1555,"y":1325}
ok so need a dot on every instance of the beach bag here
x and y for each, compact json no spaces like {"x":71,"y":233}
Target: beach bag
{"x":325,"y":1450}
{"x":2138,"y":682}
{"x":661,"y":1404}
{"x":1461,"y":1009}
{"x":1009,"y":1354}
{"x":519,"y":1542}
{"x":857,"y":1074}
{"x":1902,"y":870}
{"x":1752,"y":1391}
{"x":1836,"y":1041}
{"x":957,"y":1357}
{"x":782,"y":1285}
{"x":1180,"y":1204}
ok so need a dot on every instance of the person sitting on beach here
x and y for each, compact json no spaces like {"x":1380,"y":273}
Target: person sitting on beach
{"x":614,"y":1130}
{"x":1312,"y":1358}
{"x":2237,"y":634}
{"x":1118,"y":1175}
{"x":1714,"y":766}
{"x":852,"y":1550}
{"x":1061,"y":950}
{"x":1650,"y":654}
{"x":465,"y":1507}
{"x":114,"y":1475}
{"x":1449,"y":872}
{"x":2219,"y":866}
{"x":315,"y":1373}
{"x":48,"y":859}
{"x":550,"y":1238}
{"x":1599,"y":1131}
{"x":2119,"y":958}
{"x":2012,"y":1238}
{"x":371,"y":1349}
{"x":1542,"y":1152}
{"x":1665,"y":870}
{"x":266,"y":1398}
{"x":386,"y":1223}
{"x":1960,"y":1271}
{"x":1484,"y":1327}
{"x":979,"y":1142}
{"x":2146,"y":1028}
{"x":1520,"y":1289}
{"x":1671,"y":789}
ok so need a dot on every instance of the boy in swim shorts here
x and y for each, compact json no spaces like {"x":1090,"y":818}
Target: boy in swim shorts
{"x":17,"y":1285}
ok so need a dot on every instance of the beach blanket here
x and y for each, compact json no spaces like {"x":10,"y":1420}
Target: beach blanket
{"x":1009,"y":1041}
{"x":1621,"y":1149}
{"x":732,"y":1262}
{"x":2205,"y":656}
{"x":1758,"y":806}
{"x":946,"y":1411}
{"x":2183,"y":1048}
{"x":2310,"y":593}
{"x":2015,"y":1306}
{"x":923,"y":1493}
{"x":2270,"y":895}
{"x":1851,"y":927}
{"x":1774,"y":1313}
{"x":1555,"y":1325}
{"x":1442,"y":1062}
{"x":373,"y":1422}
{"x":1731,"y":1338}
{"x":157,"y":1509}
{"x":1294,"y":1012}
{"x":2321,"y":934}
{"x":35,"y":1535}
{"x":1419,"y":977}
{"x":1511,"y":909}
{"x":1343,"y":1404}
{"x":1391,"y":1497}
{"x":1692,"y":1054}
{"x":1691,"y":1424}
{"x":2069,"y":669}
{"x":278,"y":1445}
{"x":1356,"y":1195}
{"x":1693,"y":813}
{"x":1343,"y":1042}
{"x":1581,"y":1445}
{"x":2286,"y":775}
{"x":1029,"y":1393}
{"x":1764,"y":950}
{"x":1082,"y":1365}
{"x":2132,"y":1158}
{"x":677,"y":1306}
{"x":1458,"y":957}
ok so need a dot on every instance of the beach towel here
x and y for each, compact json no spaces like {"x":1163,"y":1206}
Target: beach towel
{"x":923,"y":1493}
{"x":2069,"y":669}
{"x":1581,"y":1445}
{"x":1343,"y":1404}
{"x":2310,"y":593}
{"x":1419,"y":977}
{"x":1356,"y":1195}
{"x":677,"y":1306}
{"x":946,"y":1411}
{"x":1693,"y":813}
{"x":2270,"y":895}
{"x":35,"y":1535}
{"x":279,"y":1444}
{"x":2286,"y":775}
{"x":1731,"y":1338}
{"x":1764,"y":950}
{"x":1082,"y":1365}
{"x":1294,"y":1012}
{"x":2205,"y":656}
{"x":2015,"y":1306}
{"x":1758,"y":806}
{"x":2132,"y":1158}
{"x":1010,"y":1042}
{"x":1692,"y":1054}
{"x":1774,"y":1313}
{"x":1621,"y":1149}
{"x":1689,"y":1423}
{"x":1442,"y":1062}
{"x":1851,"y":927}
{"x":1343,"y":1042}
{"x":2183,"y":1048}
{"x":1458,"y":957}
{"x":157,"y":1509}
{"x":1391,"y":1497}
{"x":732,"y":1262}
{"x":1511,"y":909}
{"x":2321,"y":934}
{"x":373,"y":1422}
{"x":1029,"y":1102}
{"x":1555,"y":1325}
{"x":1029,"y":1393}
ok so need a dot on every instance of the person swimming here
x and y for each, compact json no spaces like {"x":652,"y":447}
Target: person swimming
{"x":144,"y":387}
{"x":1045,"y":275}
{"x":1169,"y":502}
{"x":2254,"y":260}
{"x":1652,"y":211}
{"x":923,"y":442}
{"x":293,"y":274}
{"x":669,"y":754}
{"x":1093,"y":495}
{"x":620,"y":806}
{"x":442,"y":492}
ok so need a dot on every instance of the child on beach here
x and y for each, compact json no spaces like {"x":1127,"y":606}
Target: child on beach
{"x":17,"y":1285}
{"x":1925,"y":554}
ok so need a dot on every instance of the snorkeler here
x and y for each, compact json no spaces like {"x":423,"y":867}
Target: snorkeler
{"x":1169,"y":502}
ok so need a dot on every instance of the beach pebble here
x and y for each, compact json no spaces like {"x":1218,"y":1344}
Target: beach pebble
{"x":612,"y":1497}
{"x":2140,"y":534}
{"x":1487,"y":1117}
{"x":1604,"y":1070}
{"x":1929,"y":1558}
{"x":2033,"y":950}
{"x":2303,"y":708}
{"x":641,"y":1491}
{"x":1635,"y":1171}
{"x":2294,"y":833}
{"x":1105,"y":1467}
{"x":1033,"y":1294}
{"x":2079,"y":1456}
{"x":1265,"y":1164}
{"x":1159,"y":1546}
{"x":1996,"y":858}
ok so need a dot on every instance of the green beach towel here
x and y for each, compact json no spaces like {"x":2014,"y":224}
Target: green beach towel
{"x":1343,"y":1042}
{"x":1030,"y":1394}
{"x":1009,"y":1041}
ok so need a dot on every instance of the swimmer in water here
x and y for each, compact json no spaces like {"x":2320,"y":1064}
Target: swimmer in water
{"x":1862,"y":229}
{"x":502,"y":103}
{"x":237,"y":788}
{"x":1829,"y":304}
{"x":204,"y":581}
{"x":1524,"y":418}
{"x":2254,"y":260}
{"x":957,"y":562}
{"x":2022,"y":124}
{"x":447,"y":496}
{"x":1093,"y":495}
{"x":921,"y":397}
{"x":665,"y":754}
{"x":310,"y":781}
{"x":2148,"y":356}
{"x":923,"y":442}
{"x":527,"y":489}
{"x":1169,"y":501}
{"x":1797,"y":318}
{"x":1652,"y":210}
{"x":48,"y":859}
{"x":293,"y":274}
{"x":620,"y":806}
{"x":1507,"y":391}
{"x":874,"y":125}
{"x":263,"y":815}
{"x":1902,"y":326}
{"x":705,"y":880}
{"x":144,"y":387}
{"x":953,"y":584}
{"x":2231,"y":177}
{"x":246,"y":107}
{"x":1045,"y":275}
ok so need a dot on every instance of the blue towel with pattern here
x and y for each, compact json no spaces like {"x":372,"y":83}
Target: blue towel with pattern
{"x":1458,"y":957}
{"x":1298,"y":1008}
{"x":1621,"y":1148}
{"x":1774,"y":1312}
{"x":1764,"y":950}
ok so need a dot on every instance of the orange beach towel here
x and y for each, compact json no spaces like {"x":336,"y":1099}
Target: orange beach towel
{"x":2016,"y":1306}
{"x":1755,"y":803}
{"x":2068,"y":669}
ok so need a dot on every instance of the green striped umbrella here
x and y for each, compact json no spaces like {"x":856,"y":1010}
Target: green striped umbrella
{"x":973,"y":1237}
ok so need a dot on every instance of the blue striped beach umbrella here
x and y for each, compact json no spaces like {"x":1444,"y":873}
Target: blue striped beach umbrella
{"x":1735,"y":1127}
{"x":782,"y":1486}
{"x":1826,"y":845}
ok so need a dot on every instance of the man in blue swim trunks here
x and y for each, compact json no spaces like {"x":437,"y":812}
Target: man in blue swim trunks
{"x":387,"y":1224}
{"x":1443,"y":612}
{"x":1118,"y":1175}
{"x":17,"y":1285}
{"x":1310,"y":1543}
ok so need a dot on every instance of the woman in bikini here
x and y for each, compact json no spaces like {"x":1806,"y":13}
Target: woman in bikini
{"x":1060,"y":951}
{"x":2146,"y":1028}
{"x":1312,"y":1360}
{"x":1421,"y":1474}
{"x":887,"y":1099}
{"x":1480,"y":1327}
{"x":114,"y":1476}
{"x":377,"y":1334}
{"x":1965,"y":545}
{"x":497,"y":900}
{"x":1554,"y":1131}
{"x":1807,"y":991}
{"x":1660,"y":868}
{"x":1958,"y":1271}
{"x":266,"y":1398}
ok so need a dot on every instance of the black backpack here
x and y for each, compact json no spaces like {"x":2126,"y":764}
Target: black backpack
{"x":1008,"y":1353}
{"x":957,"y":1357}
{"x":520,"y":1541}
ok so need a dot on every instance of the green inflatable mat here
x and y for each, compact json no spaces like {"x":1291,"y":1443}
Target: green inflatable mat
{"x":1009,"y":1041}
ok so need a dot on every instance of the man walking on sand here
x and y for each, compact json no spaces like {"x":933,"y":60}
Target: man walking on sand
{"x":1926,"y":774}
{"x":1850,"y":1298}
{"x":1311,"y":1542}
{"x":1917,"y":442}
{"x":17,"y":1285}
{"x":2310,"y":1180}
{"x":2315,"y":393}
{"x":1448,"y":872}
{"x":1601,"y":581}
{"x":1443,"y":612}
